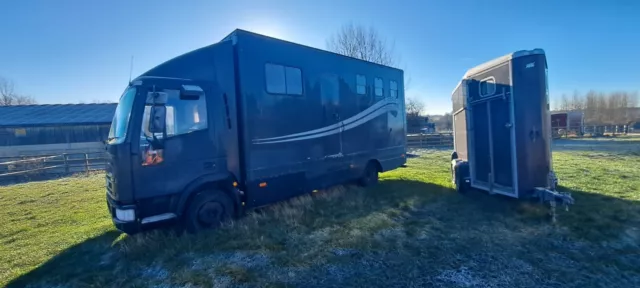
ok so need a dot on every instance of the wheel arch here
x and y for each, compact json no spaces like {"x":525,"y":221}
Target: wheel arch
{"x":222,"y":182}
{"x":376,"y":163}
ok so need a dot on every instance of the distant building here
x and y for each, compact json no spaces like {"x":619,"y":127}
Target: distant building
{"x":51,"y":129}
{"x":567,"y":122}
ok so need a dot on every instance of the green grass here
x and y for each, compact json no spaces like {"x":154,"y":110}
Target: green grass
{"x":411,"y":230}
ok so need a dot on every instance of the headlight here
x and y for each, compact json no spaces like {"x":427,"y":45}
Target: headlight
{"x":126,"y":215}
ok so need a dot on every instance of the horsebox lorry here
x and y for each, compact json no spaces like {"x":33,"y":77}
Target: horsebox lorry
{"x":245,"y":122}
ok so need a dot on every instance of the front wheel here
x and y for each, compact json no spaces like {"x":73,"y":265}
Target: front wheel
{"x":370,"y":176}
{"x":208,"y":210}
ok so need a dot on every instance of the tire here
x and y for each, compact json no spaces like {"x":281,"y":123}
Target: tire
{"x":458,"y":177}
{"x":370,"y":176}
{"x":461,"y":186}
{"x":453,"y":175}
{"x":207,"y":210}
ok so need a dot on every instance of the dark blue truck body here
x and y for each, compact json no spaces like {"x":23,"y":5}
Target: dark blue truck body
{"x":282,"y":119}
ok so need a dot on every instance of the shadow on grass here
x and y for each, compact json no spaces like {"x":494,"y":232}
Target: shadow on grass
{"x":81,"y":263}
{"x":593,"y":217}
{"x":97,"y":262}
{"x":600,"y":217}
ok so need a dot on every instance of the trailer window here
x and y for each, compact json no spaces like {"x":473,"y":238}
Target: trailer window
{"x":361,"y":84}
{"x":393,"y":89}
{"x":487,"y":86}
{"x":294,"y":80}
{"x":276,"y":81}
{"x":283,"y":79}
{"x":379,"y":88}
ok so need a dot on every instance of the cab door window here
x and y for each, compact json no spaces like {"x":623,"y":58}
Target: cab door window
{"x":182,"y":116}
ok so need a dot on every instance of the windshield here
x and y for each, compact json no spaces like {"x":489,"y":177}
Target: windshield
{"x":118,"y":130}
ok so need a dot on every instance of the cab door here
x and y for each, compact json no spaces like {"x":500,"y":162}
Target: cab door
{"x":186,"y":151}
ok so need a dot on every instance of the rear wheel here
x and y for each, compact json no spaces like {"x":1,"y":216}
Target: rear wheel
{"x":208,"y":210}
{"x":370,"y":176}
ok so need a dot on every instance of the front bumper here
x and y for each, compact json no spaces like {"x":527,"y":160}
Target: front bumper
{"x":129,"y":227}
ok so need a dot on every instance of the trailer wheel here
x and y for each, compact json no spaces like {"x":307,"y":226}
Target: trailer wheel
{"x":208,"y":210}
{"x":370,"y":176}
{"x":461,"y":186}
{"x":459,"y":171}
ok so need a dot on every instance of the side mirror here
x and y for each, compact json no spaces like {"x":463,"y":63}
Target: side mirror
{"x":158,"y":118}
{"x":191,"y":92}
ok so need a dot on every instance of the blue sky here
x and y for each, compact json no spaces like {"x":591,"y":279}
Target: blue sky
{"x":69,"y":51}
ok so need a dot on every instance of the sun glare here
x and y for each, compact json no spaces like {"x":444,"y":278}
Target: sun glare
{"x":265,"y":27}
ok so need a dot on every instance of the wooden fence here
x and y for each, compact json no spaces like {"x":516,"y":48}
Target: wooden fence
{"x":13,"y":168}
{"x":43,"y":166}
{"x":435,"y":140}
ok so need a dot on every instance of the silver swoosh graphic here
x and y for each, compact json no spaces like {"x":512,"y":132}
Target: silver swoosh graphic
{"x":372,"y":112}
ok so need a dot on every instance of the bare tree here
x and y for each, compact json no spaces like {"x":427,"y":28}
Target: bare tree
{"x":414,"y":107}
{"x":367,"y":44}
{"x":555,"y":104}
{"x":589,"y":106}
{"x":577,"y":102}
{"x":564,"y":103}
{"x":362,"y":43}
{"x":8,"y":96}
{"x":448,"y":121}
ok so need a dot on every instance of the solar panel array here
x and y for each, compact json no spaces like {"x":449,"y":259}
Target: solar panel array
{"x":56,"y":114}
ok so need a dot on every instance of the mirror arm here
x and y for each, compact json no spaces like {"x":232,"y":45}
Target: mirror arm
{"x":155,"y":142}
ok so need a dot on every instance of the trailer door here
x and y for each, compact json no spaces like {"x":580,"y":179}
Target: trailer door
{"x":492,"y":138}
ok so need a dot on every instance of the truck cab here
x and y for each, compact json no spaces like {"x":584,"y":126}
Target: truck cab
{"x":163,"y":139}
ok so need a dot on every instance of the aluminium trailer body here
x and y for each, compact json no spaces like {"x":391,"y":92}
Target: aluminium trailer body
{"x":502,"y":130}
{"x":255,"y":118}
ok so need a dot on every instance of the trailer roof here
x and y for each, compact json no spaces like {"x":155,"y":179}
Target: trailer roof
{"x":56,"y":114}
{"x":500,"y":60}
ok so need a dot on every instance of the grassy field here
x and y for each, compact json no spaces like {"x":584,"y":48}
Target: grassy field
{"x":412,"y":230}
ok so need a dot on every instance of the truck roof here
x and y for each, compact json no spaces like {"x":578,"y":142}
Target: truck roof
{"x":245,"y":32}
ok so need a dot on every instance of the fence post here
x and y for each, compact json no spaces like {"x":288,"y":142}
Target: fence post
{"x":66,"y":164}
{"x":86,"y":162}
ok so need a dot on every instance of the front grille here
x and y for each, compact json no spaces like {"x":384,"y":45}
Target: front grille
{"x":109,"y":184}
